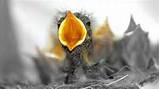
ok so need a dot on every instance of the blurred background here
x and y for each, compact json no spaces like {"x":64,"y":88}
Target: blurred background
{"x":24,"y":24}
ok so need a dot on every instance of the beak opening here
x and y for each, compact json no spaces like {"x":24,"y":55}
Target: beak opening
{"x":72,"y":31}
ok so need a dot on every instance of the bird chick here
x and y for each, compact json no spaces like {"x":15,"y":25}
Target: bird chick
{"x":75,"y":36}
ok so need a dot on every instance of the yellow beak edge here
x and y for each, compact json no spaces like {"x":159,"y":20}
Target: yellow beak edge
{"x":72,"y":31}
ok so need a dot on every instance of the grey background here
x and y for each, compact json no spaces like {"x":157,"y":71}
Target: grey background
{"x":10,"y":65}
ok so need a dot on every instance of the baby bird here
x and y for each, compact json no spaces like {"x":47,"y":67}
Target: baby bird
{"x":75,"y":36}
{"x":76,"y":47}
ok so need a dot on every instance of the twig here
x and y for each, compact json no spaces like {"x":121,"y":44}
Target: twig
{"x":62,"y":86}
{"x":116,"y":80}
{"x":99,"y":84}
{"x":109,"y":69}
{"x":120,"y":70}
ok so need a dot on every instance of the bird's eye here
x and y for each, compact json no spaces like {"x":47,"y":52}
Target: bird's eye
{"x":58,"y":25}
{"x":88,"y":23}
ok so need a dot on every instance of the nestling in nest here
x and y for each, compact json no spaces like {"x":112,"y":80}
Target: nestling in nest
{"x":76,"y":45}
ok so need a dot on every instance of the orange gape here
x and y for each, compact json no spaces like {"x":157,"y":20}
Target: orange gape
{"x":72,"y":31}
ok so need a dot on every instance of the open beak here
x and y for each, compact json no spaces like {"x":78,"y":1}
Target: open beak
{"x":72,"y":31}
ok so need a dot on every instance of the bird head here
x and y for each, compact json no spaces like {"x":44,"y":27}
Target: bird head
{"x":73,"y":29}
